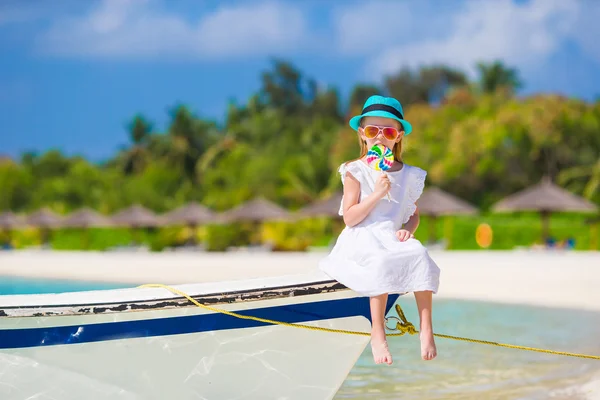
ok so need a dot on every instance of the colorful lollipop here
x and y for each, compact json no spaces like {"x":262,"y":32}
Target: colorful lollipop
{"x":380,"y":158}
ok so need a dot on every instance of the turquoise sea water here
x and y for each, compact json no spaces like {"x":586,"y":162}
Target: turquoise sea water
{"x":16,"y":285}
{"x":472,"y":371}
{"x":462,"y":370}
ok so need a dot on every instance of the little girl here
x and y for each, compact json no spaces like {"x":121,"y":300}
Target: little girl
{"x":376,"y":253}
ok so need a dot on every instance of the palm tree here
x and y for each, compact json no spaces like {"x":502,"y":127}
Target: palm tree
{"x":428,"y":84}
{"x":139,"y":129}
{"x":190,"y":137}
{"x":227,"y":143}
{"x":359,"y":94}
{"x":590,"y":172}
{"x":134,"y":159}
{"x":493,"y":76}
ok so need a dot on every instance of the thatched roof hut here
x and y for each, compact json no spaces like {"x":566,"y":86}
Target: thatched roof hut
{"x":257,"y":210}
{"x":191,"y":214}
{"x":328,"y":207}
{"x":8,"y":220}
{"x":137,"y":216}
{"x":44,"y":218}
{"x":85,"y":218}
{"x":545,"y":198}
{"x":436,"y":202}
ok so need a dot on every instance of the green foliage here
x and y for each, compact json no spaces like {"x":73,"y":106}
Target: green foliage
{"x":496,"y":75}
{"x":16,"y":182}
{"x":426,"y":85}
{"x":96,"y":238}
{"x":509,"y":231}
{"x":221,"y":237}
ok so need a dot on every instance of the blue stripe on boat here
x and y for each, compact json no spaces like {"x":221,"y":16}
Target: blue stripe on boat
{"x":293,"y":313}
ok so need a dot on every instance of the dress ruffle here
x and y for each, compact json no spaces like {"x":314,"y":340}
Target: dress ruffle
{"x":351,"y":167}
{"x":414,"y":191}
{"x":355,"y":171}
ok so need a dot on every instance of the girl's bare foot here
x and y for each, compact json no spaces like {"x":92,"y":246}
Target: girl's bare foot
{"x":428,"y":349}
{"x":379,"y":347}
{"x":381,"y":352}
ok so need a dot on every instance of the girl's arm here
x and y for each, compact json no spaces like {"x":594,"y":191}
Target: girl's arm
{"x":355,"y":212}
{"x":413,"y":222}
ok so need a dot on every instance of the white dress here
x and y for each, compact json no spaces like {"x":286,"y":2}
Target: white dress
{"x":368,"y":257}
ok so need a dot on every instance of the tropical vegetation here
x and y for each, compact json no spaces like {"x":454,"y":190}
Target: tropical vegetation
{"x":478,"y":139}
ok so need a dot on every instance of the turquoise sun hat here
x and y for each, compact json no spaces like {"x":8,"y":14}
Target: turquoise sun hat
{"x":380,"y":106}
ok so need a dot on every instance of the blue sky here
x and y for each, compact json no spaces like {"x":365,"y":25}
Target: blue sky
{"x":73,"y":73}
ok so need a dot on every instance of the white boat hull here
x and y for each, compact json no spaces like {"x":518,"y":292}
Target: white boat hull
{"x":156,"y":348}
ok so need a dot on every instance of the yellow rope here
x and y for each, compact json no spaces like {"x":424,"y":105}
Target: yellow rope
{"x":403,"y":326}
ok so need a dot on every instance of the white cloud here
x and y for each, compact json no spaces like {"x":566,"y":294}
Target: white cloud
{"x":138,"y":28}
{"x":269,"y":25}
{"x":519,"y":34}
{"x":371,"y":25}
{"x":389,"y":34}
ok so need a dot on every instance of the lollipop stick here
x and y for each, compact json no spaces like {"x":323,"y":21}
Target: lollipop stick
{"x":388,"y":193}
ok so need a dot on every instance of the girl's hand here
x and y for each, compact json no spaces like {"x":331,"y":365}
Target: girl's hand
{"x":382,"y":185}
{"x":403,"y":235}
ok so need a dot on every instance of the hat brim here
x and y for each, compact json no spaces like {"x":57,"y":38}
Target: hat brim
{"x":355,"y":121}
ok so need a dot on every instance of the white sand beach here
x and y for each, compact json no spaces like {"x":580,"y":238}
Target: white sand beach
{"x":543,"y":278}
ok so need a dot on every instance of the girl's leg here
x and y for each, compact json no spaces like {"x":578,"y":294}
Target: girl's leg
{"x":379,"y":347}
{"x":424,"y":303}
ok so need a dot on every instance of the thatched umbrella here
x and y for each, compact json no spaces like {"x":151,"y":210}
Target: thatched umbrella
{"x":9,"y":221}
{"x":192,"y":215}
{"x":257,"y":210}
{"x":328,"y":207}
{"x":86,"y":218}
{"x":136,"y":217}
{"x":434,"y":203}
{"x":545,"y":198}
{"x":44,"y":219}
